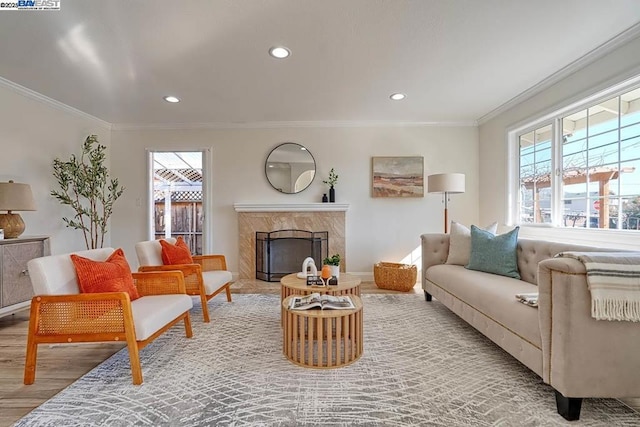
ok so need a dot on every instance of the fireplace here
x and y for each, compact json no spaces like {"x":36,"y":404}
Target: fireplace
{"x":266,"y":217}
{"x":282,"y":252}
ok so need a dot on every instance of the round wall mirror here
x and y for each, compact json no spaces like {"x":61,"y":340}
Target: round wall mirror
{"x":290,"y":168}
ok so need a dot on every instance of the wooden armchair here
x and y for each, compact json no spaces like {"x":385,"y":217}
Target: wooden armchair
{"x":206,"y":278}
{"x":60,"y":314}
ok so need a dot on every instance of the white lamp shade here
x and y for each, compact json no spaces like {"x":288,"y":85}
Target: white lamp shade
{"x":446,"y":183}
{"x":16,"y":197}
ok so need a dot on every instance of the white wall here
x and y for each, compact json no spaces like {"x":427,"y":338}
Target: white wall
{"x":377,"y":229}
{"x":622,"y":63}
{"x":32,"y":135}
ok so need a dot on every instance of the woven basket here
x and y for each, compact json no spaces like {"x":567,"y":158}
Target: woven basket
{"x":394,"y":276}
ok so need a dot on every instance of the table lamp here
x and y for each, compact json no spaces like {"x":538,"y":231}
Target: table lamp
{"x":14,"y":197}
{"x":446,"y":183}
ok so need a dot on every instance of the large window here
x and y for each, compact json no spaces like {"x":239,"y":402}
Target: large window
{"x":582,"y":168}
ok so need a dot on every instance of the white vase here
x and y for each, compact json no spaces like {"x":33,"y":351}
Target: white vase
{"x":335,"y":271}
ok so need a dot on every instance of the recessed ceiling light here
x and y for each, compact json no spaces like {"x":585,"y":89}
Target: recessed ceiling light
{"x":279,"y":52}
{"x":171,"y":98}
{"x":398,"y":96}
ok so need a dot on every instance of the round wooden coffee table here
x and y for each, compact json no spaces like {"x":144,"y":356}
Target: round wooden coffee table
{"x":347,"y":285}
{"x":292,"y":285}
{"x":322,"y":338}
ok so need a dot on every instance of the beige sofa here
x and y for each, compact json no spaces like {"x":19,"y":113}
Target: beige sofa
{"x":577,"y":355}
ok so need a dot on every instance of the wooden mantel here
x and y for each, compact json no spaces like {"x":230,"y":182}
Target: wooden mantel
{"x":291,"y":207}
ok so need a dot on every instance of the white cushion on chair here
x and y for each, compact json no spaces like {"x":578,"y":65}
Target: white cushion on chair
{"x":152,"y":312}
{"x":56,"y":275}
{"x":215,"y":279}
{"x":150,"y":252}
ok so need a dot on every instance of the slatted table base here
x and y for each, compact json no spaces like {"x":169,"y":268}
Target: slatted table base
{"x":323,"y":338}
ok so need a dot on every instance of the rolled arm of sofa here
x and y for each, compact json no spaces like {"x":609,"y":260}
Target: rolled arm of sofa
{"x":435,"y":249}
{"x":581,"y":356}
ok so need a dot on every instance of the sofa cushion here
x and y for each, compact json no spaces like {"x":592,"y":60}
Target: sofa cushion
{"x":214,"y":279}
{"x":460,"y":242}
{"x":492,"y":295}
{"x":494,"y":254}
{"x":152,"y":312}
{"x":110,"y":275}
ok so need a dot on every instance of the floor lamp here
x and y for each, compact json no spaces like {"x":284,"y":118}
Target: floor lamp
{"x":446,"y":183}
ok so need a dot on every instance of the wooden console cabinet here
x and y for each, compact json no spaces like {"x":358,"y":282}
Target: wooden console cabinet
{"x":15,"y":286}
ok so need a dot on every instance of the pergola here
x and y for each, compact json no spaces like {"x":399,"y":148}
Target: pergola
{"x":601,"y":175}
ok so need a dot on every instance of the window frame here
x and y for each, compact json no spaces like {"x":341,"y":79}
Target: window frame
{"x":554,"y":119}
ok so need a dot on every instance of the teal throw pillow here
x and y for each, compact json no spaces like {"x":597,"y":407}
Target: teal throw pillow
{"x":494,"y":254}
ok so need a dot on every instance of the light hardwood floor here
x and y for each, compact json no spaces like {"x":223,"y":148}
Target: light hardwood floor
{"x":61,"y":365}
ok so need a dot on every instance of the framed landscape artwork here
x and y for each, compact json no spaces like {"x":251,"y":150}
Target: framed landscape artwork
{"x":398,"y":176}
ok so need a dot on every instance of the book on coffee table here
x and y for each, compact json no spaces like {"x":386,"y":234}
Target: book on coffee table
{"x":315,"y":300}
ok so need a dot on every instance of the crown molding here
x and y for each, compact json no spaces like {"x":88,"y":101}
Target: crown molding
{"x":590,"y":57}
{"x":287,"y":124}
{"x":31,"y":94}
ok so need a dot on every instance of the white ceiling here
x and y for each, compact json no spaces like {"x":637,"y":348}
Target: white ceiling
{"x":457,"y":60}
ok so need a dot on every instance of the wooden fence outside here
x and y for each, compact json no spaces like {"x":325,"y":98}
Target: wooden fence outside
{"x":186,"y":221}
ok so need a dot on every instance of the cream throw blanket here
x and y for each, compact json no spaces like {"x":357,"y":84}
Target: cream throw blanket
{"x":614,"y":281}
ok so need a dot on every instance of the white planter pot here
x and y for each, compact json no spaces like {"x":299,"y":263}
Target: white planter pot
{"x":335,"y":271}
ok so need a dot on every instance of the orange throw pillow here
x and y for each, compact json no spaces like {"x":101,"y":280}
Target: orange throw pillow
{"x":175,"y":254}
{"x":111,"y":275}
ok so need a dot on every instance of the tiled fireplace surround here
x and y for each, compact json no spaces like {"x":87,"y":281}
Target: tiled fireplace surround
{"x":271,"y":217}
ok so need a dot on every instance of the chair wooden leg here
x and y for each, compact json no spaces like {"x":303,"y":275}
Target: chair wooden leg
{"x":228,"y":289}
{"x":32,"y":345}
{"x":30,"y":362}
{"x":205,"y":308}
{"x":134,"y":359}
{"x":187,"y":325}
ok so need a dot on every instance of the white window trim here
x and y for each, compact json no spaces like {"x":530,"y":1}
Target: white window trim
{"x":554,"y":116}
{"x":207,"y":192}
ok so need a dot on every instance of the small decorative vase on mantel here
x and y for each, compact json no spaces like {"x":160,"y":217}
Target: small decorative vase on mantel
{"x":331,"y":182}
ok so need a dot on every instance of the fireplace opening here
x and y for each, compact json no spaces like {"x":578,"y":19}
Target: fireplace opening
{"x":282,"y":252}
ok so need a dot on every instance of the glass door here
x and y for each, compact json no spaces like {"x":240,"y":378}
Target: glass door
{"x":177,"y":196}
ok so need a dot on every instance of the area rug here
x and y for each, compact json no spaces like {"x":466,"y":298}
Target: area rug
{"x":421,"y":366}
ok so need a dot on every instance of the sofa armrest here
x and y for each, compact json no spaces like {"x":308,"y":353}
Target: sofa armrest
{"x":78,"y":315}
{"x":192,"y":275}
{"x":211,"y":262}
{"x":159,"y":283}
{"x":435,"y":249}
{"x":581,"y":356}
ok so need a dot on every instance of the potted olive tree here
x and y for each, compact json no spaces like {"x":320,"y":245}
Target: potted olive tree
{"x":85,"y":186}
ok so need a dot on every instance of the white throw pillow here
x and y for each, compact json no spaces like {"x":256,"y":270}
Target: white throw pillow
{"x":460,"y":242}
